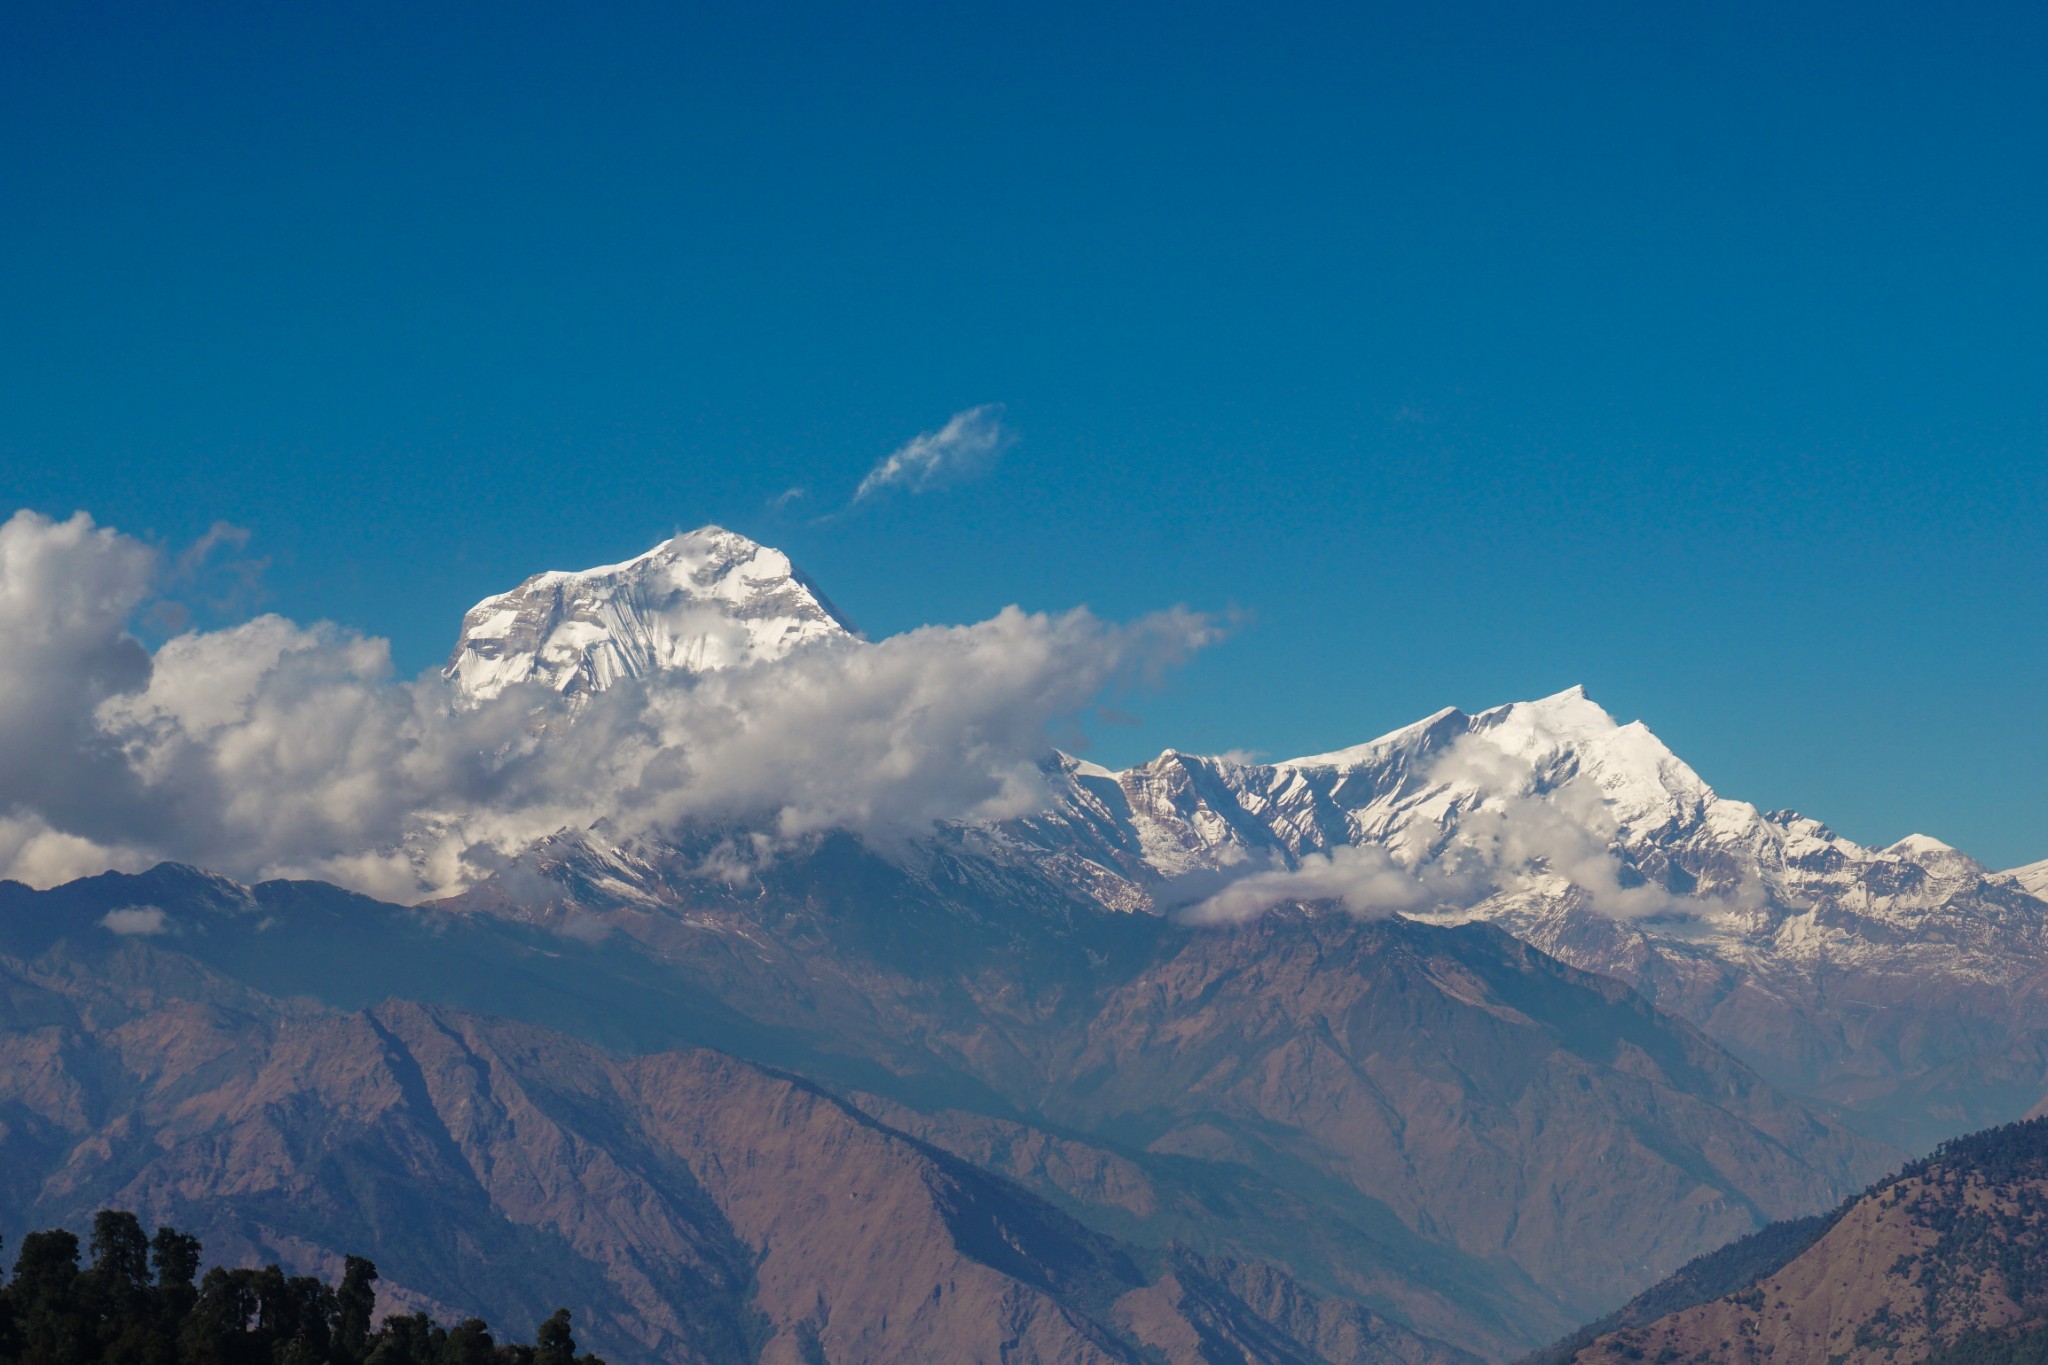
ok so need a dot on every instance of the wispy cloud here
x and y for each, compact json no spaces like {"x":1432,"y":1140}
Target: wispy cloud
{"x":967,"y":446}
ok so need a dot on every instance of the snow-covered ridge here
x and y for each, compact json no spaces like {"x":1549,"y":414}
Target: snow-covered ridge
{"x":2033,"y":878}
{"x":1546,"y":817}
{"x":705,"y":600}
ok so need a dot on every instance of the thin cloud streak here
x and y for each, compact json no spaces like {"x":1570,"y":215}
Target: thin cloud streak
{"x":967,"y":447}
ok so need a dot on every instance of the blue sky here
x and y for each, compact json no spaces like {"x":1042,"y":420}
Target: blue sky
{"x":1692,"y":353}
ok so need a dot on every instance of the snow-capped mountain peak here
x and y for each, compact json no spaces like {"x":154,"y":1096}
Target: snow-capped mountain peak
{"x":1646,"y":786}
{"x":1551,"y":739}
{"x":1934,"y":855}
{"x":1407,"y":739}
{"x":704,"y":600}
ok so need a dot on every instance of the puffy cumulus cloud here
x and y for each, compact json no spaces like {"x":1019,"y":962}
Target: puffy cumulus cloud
{"x":968,"y":445}
{"x":945,"y":722}
{"x":275,"y":749}
{"x":67,"y":590}
{"x":1501,"y":830}
{"x":31,"y":851}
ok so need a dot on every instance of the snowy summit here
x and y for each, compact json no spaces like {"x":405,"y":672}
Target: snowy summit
{"x":706,"y":600}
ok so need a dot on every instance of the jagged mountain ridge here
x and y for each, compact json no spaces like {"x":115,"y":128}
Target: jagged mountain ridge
{"x":1804,"y":951}
{"x":1418,"y":1119}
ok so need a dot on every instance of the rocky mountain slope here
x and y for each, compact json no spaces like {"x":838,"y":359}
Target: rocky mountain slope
{"x":692,"y":1206}
{"x":1375,"y":1140}
{"x":1948,"y":1259}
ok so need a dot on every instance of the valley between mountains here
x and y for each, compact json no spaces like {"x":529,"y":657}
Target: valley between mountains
{"x":1427,"y":1050}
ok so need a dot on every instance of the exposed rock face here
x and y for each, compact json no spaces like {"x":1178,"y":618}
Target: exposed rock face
{"x":1420,"y":1140}
{"x":702,"y":601}
{"x":1952,"y":1247}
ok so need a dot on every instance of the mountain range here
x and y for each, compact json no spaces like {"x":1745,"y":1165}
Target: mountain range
{"x":1427,"y":1049}
{"x":1901,"y":984}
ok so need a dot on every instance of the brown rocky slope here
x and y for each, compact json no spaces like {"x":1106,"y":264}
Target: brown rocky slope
{"x":1945,"y":1261}
{"x":692,"y":1206}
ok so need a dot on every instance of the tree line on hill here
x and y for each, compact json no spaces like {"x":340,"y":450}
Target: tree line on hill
{"x":142,"y":1301}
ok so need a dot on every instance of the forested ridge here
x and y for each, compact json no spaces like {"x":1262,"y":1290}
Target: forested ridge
{"x":142,"y":1301}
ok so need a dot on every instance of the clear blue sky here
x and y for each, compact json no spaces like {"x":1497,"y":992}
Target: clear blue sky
{"x":1696,"y":353}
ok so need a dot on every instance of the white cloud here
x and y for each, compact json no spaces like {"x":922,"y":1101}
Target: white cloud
{"x":968,"y":445}
{"x":136,"y":920}
{"x":1364,"y":880}
{"x":273,"y":749}
{"x":67,"y":590}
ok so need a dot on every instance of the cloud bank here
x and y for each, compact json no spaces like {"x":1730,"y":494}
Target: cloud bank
{"x":274,"y":749}
{"x":968,"y":445}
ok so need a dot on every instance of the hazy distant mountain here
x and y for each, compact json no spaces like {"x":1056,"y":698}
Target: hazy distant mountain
{"x":690,"y":1205}
{"x":1903,"y":983}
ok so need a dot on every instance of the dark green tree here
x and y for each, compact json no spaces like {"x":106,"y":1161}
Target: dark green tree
{"x":356,"y":1303}
{"x":136,"y":1304}
{"x":45,"y":1290}
{"x":554,"y":1343}
{"x":469,"y":1343}
{"x":412,"y":1339}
